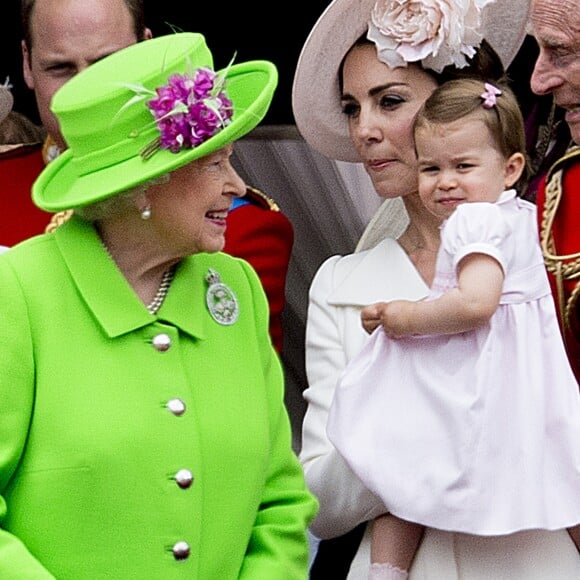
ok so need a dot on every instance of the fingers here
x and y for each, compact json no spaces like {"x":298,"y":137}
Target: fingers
{"x":370,"y":317}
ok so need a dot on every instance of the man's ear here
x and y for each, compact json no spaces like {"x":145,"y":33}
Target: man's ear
{"x":26,"y":72}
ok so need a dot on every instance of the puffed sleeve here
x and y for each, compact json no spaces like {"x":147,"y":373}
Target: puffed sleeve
{"x":476,"y":228}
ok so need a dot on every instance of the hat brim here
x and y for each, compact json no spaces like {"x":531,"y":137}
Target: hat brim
{"x":315,"y":92}
{"x":250,"y":86}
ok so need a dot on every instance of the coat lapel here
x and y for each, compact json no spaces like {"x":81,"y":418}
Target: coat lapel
{"x":382,"y":273}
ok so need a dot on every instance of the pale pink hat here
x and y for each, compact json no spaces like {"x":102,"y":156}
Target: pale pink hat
{"x":315,"y":93}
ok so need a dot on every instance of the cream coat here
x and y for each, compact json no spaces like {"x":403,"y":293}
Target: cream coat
{"x":334,"y":334}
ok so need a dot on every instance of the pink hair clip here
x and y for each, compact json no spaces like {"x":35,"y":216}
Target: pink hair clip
{"x":489,"y":95}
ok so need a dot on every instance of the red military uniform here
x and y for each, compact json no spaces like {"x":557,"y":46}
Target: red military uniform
{"x":261,"y":234}
{"x":21,"y":219}
{"x":558,"y":203}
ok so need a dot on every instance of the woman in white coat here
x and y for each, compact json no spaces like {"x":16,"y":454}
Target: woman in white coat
{"x":354,"y":100}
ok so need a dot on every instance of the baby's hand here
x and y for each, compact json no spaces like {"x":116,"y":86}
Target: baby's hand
{"x":371,"y":316}
{"x":395,"y":317}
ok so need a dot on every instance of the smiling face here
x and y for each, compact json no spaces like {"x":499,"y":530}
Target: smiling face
{"x":189,"y":211}
{"x":66,"y":38}
{"x":380,"y":104}
{"x":459,"y":162}
{"x":556,"y":26}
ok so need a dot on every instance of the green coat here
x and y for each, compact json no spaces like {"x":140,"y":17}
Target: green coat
{"x":90,"y":444}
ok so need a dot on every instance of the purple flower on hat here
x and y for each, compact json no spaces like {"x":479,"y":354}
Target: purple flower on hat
{"x":190,"y":109}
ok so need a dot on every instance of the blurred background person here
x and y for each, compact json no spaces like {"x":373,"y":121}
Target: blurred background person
{"x":556,"y":27}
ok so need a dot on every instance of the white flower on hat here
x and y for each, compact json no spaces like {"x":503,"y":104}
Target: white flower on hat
{"x":437,"y":33}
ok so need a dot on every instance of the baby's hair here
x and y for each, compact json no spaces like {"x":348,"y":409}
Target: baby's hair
{"x":456,"y":99}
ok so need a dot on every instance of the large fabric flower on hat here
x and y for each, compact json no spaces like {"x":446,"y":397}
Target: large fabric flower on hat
{"x":436,"y":33}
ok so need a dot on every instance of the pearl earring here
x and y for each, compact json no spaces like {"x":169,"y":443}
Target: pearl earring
{"x":146,"y":213}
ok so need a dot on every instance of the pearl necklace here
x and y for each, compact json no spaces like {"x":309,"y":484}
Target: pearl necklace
{"x":162,"y":291}
{"x":155,"y":304}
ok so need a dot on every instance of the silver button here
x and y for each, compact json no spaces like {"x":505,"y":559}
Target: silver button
{"x":184,"y":478}
{"x":181,"y":551}
{"x":161,"y":342}
{"x":176,"y":406}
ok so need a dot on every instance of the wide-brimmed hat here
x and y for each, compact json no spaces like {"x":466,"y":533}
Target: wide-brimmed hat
{"x":316,"y":93}
{"x":6,"y":100}
{"x":147,"y":110}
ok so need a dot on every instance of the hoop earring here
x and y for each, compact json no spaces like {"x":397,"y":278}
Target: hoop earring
{"x":146,"y":213}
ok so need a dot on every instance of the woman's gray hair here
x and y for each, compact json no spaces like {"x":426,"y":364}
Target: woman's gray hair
{"x":118,"y":204}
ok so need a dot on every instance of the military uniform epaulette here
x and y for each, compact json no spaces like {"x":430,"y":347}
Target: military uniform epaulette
{"x":57,"y":219}
{"x":260,"y":198}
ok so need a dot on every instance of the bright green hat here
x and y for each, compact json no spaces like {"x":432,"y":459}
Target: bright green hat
{"x":106,"y":115}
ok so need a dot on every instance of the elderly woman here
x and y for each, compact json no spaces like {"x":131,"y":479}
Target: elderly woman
{"x":364,"y":72}
{"x":143,"y":432}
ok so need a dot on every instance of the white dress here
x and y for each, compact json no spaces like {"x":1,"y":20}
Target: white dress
{"x":477,"y":432}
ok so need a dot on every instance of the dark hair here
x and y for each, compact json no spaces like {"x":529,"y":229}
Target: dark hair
{"x":485,"y":64}
{"x":136,"y":9}
{"x":456,"y":99}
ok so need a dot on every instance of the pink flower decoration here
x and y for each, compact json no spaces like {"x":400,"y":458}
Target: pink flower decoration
{"x":190,"y":109}
{"x":489,"y":96}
